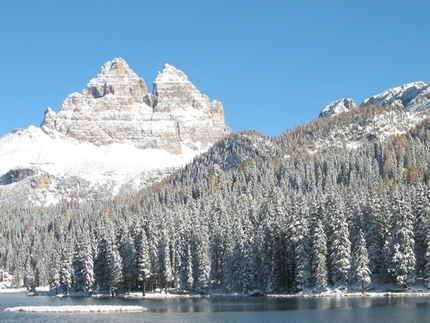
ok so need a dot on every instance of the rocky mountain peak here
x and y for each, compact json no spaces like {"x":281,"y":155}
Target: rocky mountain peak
{"x":337,"y":107}
{"x":171,"y":74}
{"x":413,"y":97}
{"x":404,"y":96}
{"x":116,"y":68}
{"x":116,"y":77}
{"x":115,"y":107}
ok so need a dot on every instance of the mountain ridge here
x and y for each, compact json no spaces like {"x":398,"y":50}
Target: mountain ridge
{"x":413,"y":96}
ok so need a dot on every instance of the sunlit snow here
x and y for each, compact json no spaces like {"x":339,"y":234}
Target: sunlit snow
{"x":115,"y":164}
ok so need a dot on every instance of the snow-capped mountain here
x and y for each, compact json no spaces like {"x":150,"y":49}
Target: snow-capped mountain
{"x":113,"y":137}
{"x":411,"y":97}
{"x":115,"y":107}
{"x":337,"y":107}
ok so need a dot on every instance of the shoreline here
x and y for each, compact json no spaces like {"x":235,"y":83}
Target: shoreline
{"x":163,"y":295}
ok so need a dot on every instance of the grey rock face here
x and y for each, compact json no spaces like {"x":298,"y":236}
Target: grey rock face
{"x":115,"y":107}
{"x":200,"y":122}
{"x":17,"y":175}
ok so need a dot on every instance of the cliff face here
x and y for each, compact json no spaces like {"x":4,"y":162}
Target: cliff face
{"x":115,"y":107}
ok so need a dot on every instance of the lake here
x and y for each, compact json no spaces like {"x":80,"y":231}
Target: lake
{"x":210,"y":310}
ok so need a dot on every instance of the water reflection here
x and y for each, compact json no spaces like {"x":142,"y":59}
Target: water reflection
{"x":214,"y":310}
{"x":267,"y":304}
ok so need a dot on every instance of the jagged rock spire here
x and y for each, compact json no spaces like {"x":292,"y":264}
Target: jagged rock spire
{"x":115,"y":107}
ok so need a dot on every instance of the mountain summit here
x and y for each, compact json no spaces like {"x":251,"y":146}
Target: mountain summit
{"x":115,"y":107}
{"x":412,"y":97}
{"x":112,"y":138}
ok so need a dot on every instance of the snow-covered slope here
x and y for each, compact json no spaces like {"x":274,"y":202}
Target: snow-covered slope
{"x":380,"y":127}
{"x":112,"y":138}
{"x":390,"y":113}
{"x":412,"y":97}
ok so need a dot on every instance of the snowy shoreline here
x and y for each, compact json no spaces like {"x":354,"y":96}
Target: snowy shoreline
{"x":162,"y":295}
{"x":77,"y":309}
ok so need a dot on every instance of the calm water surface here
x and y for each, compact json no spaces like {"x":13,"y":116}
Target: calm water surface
{"x":210,"y":310}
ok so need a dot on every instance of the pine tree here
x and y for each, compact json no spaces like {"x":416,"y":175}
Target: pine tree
{"x":113,"y":269}
{"x":186,"y":274}
{"x":319,"y":255}
{"x":83,"y":265}
{"x":66,"y":269}
{"x":360,"y":272}
{"x":339,"y":246}
{"x":29,"y":280}
{"x":100,"y":265}
{"x":401,"y":264}
{"x":54,"y":272}
{"x":127,"y":253}
{"x":142,"y":261}
{"x":165,"y":260}
{"x":299,"y":245}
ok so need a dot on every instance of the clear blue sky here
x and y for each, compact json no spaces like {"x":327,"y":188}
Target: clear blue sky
{"x":273,"y":64}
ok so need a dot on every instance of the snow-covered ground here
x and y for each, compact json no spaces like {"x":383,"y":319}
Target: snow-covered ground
{"x":119,"y":163}
{"x":352,"y":291}
{"x":112,"y":167}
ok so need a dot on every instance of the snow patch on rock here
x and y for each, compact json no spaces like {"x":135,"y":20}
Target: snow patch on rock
{"x":336,"y":107}
{"x":408,"y":96}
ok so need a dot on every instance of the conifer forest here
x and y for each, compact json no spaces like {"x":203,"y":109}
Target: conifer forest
{"x":276,"y":214}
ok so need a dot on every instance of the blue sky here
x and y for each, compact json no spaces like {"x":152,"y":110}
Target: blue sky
{"x":273,"y":64}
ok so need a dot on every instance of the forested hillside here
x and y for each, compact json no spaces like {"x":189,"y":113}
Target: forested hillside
{"x":310,"y":209}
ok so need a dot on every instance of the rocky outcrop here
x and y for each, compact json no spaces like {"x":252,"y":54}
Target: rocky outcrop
{"x":17,"y":174}
{"x":412,"y":96}
{"x":337,"y":107}
{"x":115,"y":107}
{"x":199,"y":121}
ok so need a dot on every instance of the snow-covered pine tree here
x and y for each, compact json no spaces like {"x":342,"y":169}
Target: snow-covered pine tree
{"x":421,"y":210}
{"x":360,"y":272}
{"x":142,"y":260}
{"x":338,"y":244}
{"x":100,"y":266}
{"x":127,"y":253}
{"x":114,"y":275}
{"x":186,"y":272}
{"x":401,"y":261}
{"x":298,"y":250}
{"x":66,"y":269}
{"x":83,"y":264}
{"x":165,"y":262}
{"x":201,"y":265}
{"x":54,"y":272}
{"x":319,"y":255}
